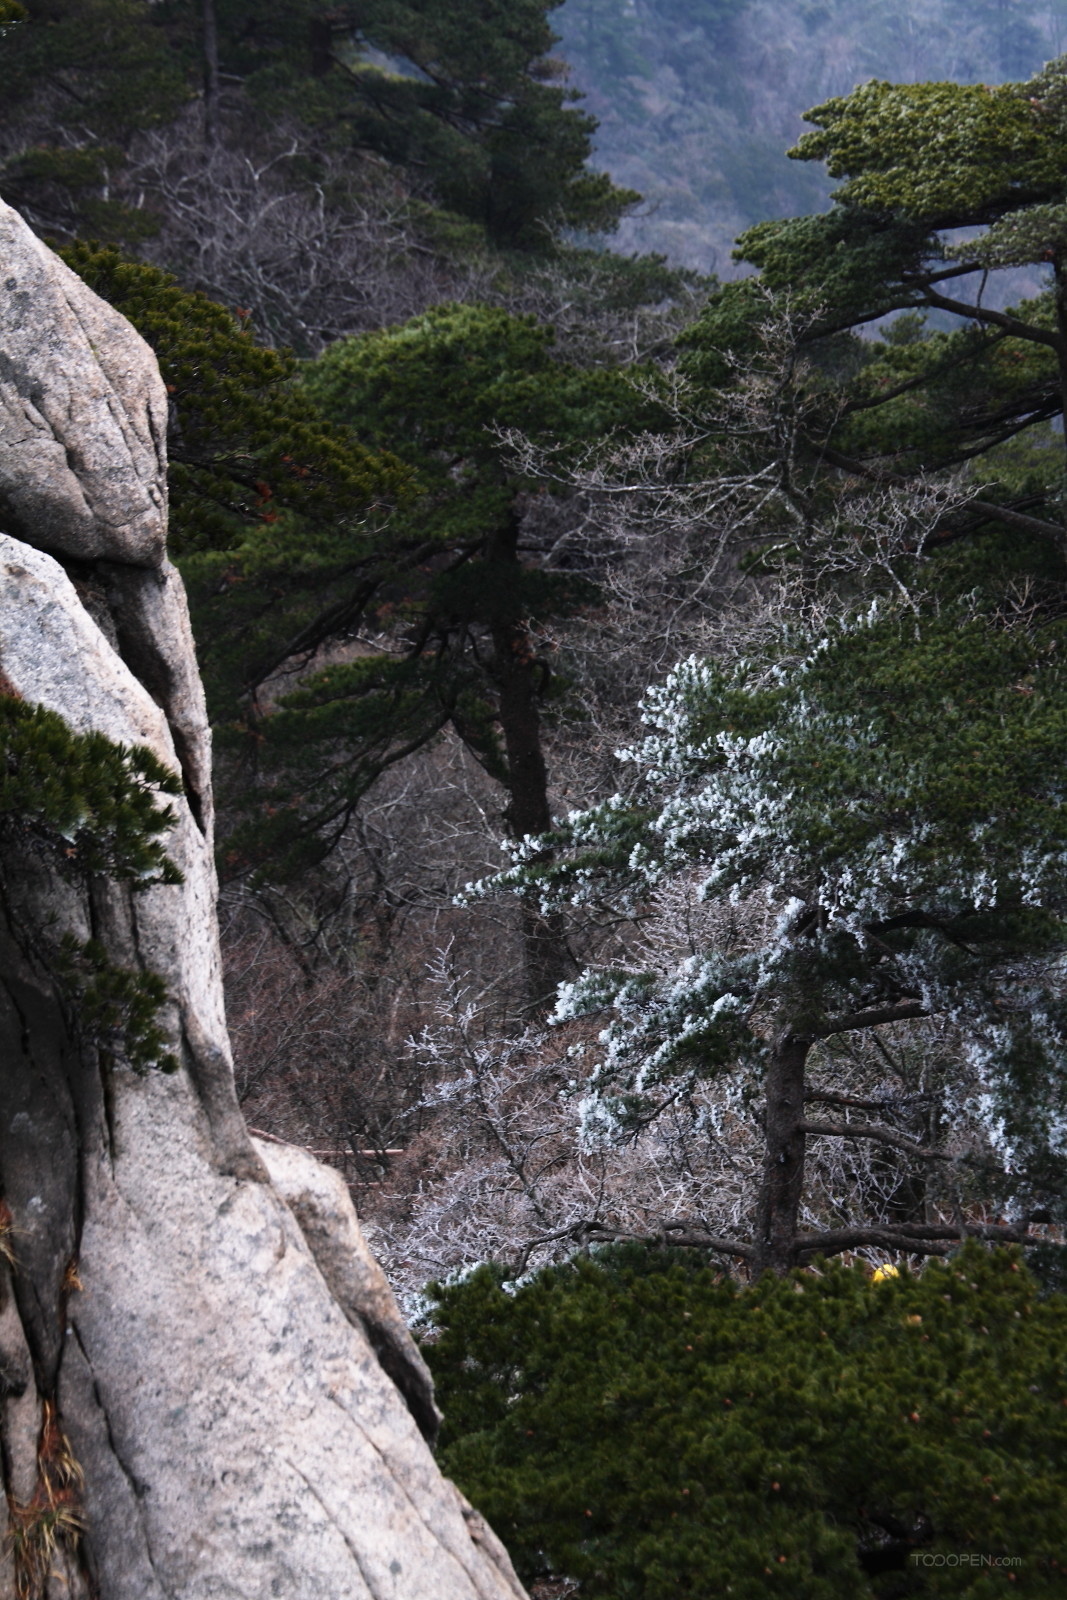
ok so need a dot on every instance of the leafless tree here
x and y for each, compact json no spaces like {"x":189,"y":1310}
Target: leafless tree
{"x":327,"y":976}
{"x":313,"y":246}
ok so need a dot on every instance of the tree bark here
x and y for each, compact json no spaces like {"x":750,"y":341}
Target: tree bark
{"x":782,"y":1179}
{"x":546,"y":957}
{"x":1059,"y":270}
{"x":320,"y":45}
{"x":516,"y":673}
{"x":211,"y":76}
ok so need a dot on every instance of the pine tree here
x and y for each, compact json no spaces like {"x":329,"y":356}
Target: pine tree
{"x":92,"y":809}
{"x":466,"y":100}
{"x":880,"y":801}
{"x":439,"y":392}
{"x":919,"y":162}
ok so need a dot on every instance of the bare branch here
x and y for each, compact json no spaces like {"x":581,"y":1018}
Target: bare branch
{"x":672,"y":1234}
{"x":874,"y":1018}
{"x":1000,"y":319}
{"x":985,"y":508}
{"x":834,"y":1097}
{"x":869,"y":1130}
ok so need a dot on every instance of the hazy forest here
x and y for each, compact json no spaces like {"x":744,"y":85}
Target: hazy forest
{"x":628,"y":568}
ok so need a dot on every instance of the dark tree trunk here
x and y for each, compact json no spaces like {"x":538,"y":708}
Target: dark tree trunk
{"x":547,"y":959}
{"x":320,"y":45}
{"x":211,"y":75}
{"x":782,"y":1180}
{"x":517,"y":674}
{"x":1059,"y":271}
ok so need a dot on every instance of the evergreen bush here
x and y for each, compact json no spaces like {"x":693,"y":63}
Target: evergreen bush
{"x":652,"y":1431}
{"x":81,"y":797}
{"x":91,"y":807}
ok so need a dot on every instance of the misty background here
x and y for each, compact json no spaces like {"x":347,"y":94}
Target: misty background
{"x":698,"y":100}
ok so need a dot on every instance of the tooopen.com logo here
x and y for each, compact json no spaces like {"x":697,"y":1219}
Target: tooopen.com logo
{"x":965,"y":1558}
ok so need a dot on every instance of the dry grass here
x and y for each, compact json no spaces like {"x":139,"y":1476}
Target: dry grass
{"x":51,"y":1523}
{"x":7,"y":1235}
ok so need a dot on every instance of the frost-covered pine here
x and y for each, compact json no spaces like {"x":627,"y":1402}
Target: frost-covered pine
{"x":878,"y":813}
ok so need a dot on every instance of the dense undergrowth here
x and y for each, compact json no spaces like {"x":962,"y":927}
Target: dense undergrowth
{"x":648,"y":1430}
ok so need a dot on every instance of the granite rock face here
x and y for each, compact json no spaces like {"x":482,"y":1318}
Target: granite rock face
{"x":191,"y":1316}
{"x":319,"y":1199}
{"x":83,"y":414}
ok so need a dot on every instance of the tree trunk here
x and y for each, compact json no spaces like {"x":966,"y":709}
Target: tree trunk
{"x":211,"y":75}
{"x":516,"y":673}
{"x":782,"y":1179}
{"x":1059,"y":272}
{"x":320,"y":45}
{"x":544,"y":937}
{"x":206,"y":1389}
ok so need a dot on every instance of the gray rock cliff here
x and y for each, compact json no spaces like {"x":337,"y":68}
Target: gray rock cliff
{"x":206,"y":1389}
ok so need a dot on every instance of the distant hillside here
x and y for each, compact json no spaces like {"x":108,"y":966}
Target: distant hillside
{"x":698,"y":99}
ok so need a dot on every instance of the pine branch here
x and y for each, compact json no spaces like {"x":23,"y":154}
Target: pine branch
{"x":834,"y":1097}
{"x":872,"y":1018}
{"x":926,"y":1239}
{"x":999,"y":319}
{"x":872,"y":1130}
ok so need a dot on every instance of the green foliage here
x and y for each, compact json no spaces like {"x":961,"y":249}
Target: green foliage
{"x":91,"y":802}
{"x":440,"y":390}
{"x":945,"y":395}
{"x":943,"y":152}
{"x":99,"y":70}
{"x":437,"y":386}
{"x":465,"y":96}
{"x":115,"y":1008}
{"x":652,"y":1431}
{"x":102,"y":62}
{"x":93,"y":807}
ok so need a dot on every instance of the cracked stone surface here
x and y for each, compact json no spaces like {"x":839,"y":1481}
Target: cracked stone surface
{"x":198,"y":1316}
{"x":83,"y":413}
